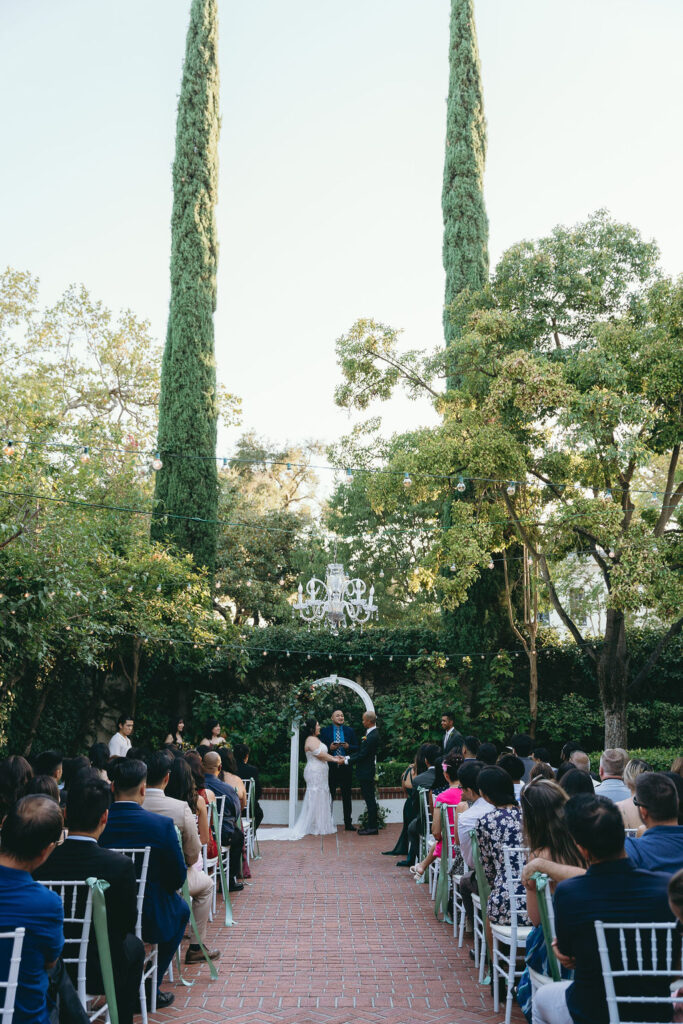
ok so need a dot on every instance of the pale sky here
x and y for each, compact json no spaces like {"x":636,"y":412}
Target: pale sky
{"x":331,"y":158}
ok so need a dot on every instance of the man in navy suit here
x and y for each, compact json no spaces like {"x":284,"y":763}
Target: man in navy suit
{"x":165,"y":913}
{"x":364,"y":760}
{"x":80,"y":857}
{"x":340,"y":739}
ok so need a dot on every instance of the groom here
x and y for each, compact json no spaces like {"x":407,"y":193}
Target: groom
{"x":364,"y":762}
{"x":340,"y":739}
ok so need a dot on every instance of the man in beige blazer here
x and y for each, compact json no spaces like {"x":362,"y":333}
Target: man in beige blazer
{"x":199,"y":883}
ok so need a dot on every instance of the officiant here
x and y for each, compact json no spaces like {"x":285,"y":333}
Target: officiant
{"x":340,"y":739}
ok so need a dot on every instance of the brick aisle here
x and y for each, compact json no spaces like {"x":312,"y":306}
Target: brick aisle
{"x":331,"y":932}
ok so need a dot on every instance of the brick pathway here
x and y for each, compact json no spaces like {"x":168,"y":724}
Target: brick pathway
{"x":331,"y":932}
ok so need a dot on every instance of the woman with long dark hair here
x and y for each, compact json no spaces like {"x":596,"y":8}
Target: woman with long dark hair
{"x":194,"y":762}
{"x":546,"y":834}
{"x":176,"y":732}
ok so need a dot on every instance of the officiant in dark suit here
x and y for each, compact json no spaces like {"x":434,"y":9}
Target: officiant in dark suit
{"x":364,"y":760}
{"x":340,"y":739}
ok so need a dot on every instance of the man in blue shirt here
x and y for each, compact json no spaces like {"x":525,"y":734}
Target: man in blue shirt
{"x":231,"y":835}
{"x":30,"y":832}
{"x":612,"y":785}
{"x":612,"y":889}
{"x":660,"y":848}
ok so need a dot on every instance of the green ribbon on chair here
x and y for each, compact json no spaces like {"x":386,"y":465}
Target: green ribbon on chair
{"x":188,"y":899}
{"x":542,"y":881}
{"x":252,"y":818}
{"x":441,"y":898}
{"x":483,"y":887}
{"x":98,"y":887}
{"x":229,"y":920}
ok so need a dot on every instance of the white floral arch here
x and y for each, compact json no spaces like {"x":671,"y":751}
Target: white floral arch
{"x":294,"y":748}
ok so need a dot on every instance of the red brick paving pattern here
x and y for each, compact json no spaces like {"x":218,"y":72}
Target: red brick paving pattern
{"x":330,"y":932}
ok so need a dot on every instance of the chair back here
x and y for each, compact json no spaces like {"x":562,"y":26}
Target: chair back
{"x":220,"y":807}
{"x":8,"y":985}
{"x":251,"y":793}
{"x":449,"y":813}
{"x":425,"y":819}
{"x":633,"y":957}
{"x":547,"y":912}
{"x":514,"y":858}
{"x":76,"y":898}
{"x":140,"y":858}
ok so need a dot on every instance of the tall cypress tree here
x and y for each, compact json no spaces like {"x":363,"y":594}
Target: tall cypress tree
{"x":187,"y":406}
{"x":466,"y":226}
{"x":479,"y":623}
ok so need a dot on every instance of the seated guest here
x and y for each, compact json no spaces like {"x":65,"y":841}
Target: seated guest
{"x":80,"y":857}
{"x":159,"y":766}
{"x":249,"y":771}
{"x":30,"y":832}
{"x":426,"y":779}
{"x":540,"y":755}
{"x":629,"y":812}
{"x":521,"y":746}
{"x":660,"y":848}
{"x":99,"y":759}
{"x":231,"y":835}
{"x":678,"y":783}
{"x":568,"y":749}
{"x":574,"y":782}
{"x":194,"y":763}
{"x":449,"y":797}
{"x":468,"y":779}
{"x":612,"y":764}
{"x":541,"y":770}
{"x":546,"y":834}
{"x":72,"y":766}
{"x":499,"y":828}
{"x":43,"y":785}
{"x":612,"y":889}
{"x":487,"y":753}
{"x":50,"y":762}
{"x":580,"y":760}
{"x":229,"y":774}
{"x":165,"y":914}
{"x":515,"y":768}
{"x":15,"y":775}
{"x":469,"y":748}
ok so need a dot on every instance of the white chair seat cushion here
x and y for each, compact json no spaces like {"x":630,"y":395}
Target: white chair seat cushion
{"x":504,"y":932}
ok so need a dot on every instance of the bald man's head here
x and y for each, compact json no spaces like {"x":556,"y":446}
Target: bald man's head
{"x":211,"y":762}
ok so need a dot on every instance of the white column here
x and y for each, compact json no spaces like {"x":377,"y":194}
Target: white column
{"x":293,"y":773}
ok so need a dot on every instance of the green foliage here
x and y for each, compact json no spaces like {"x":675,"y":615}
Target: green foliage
{"x":570,"y":374}
{"x":188,"y":407}
{"x":382,"y":815}
{"x":465,"y":243}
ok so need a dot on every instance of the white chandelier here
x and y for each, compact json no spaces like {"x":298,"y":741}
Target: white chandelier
{"x":330,"y":603}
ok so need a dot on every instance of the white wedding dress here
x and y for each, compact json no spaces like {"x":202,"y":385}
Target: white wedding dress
{"x":316,"y":817}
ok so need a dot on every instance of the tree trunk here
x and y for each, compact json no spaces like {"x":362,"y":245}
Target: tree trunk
{"x":37,"y":715}
{"x":613,"y":668}
{"x":533,"y":691}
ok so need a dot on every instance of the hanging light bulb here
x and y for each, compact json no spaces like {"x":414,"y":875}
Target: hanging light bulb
{"x":461,"y":485}
{"x":158,"y":588}
{"x":381,"y":574}
{"x":608,"y":492}
{"x":130,"y":590}
{"x":156,"y":462}
{"x":85,"y":455}
{"x":407,"y":482}
{"x":288,"y":654}
{"x":349,"y":474}
{"x":391,"y":657}
{"x":511,"y":488}
{"x":104,"y":592}
{"x":491,"y":565}
{"x":9,"y":449}
{"x":454,"y":567}
{"x":264,"y":653}
{"x":308,"y":657}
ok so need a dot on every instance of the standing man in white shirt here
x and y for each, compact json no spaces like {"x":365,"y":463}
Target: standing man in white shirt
{"x":119,"y":744}
{"x":451,"y":737}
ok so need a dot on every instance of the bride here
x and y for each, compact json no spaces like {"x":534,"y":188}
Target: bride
{"x":316,"y":817}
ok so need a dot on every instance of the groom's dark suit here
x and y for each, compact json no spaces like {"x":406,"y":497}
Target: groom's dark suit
{"x":364,"y":763}
{"x":340,"y":774}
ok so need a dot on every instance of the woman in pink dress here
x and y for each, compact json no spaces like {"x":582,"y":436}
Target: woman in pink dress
{"x":450,"y":797}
